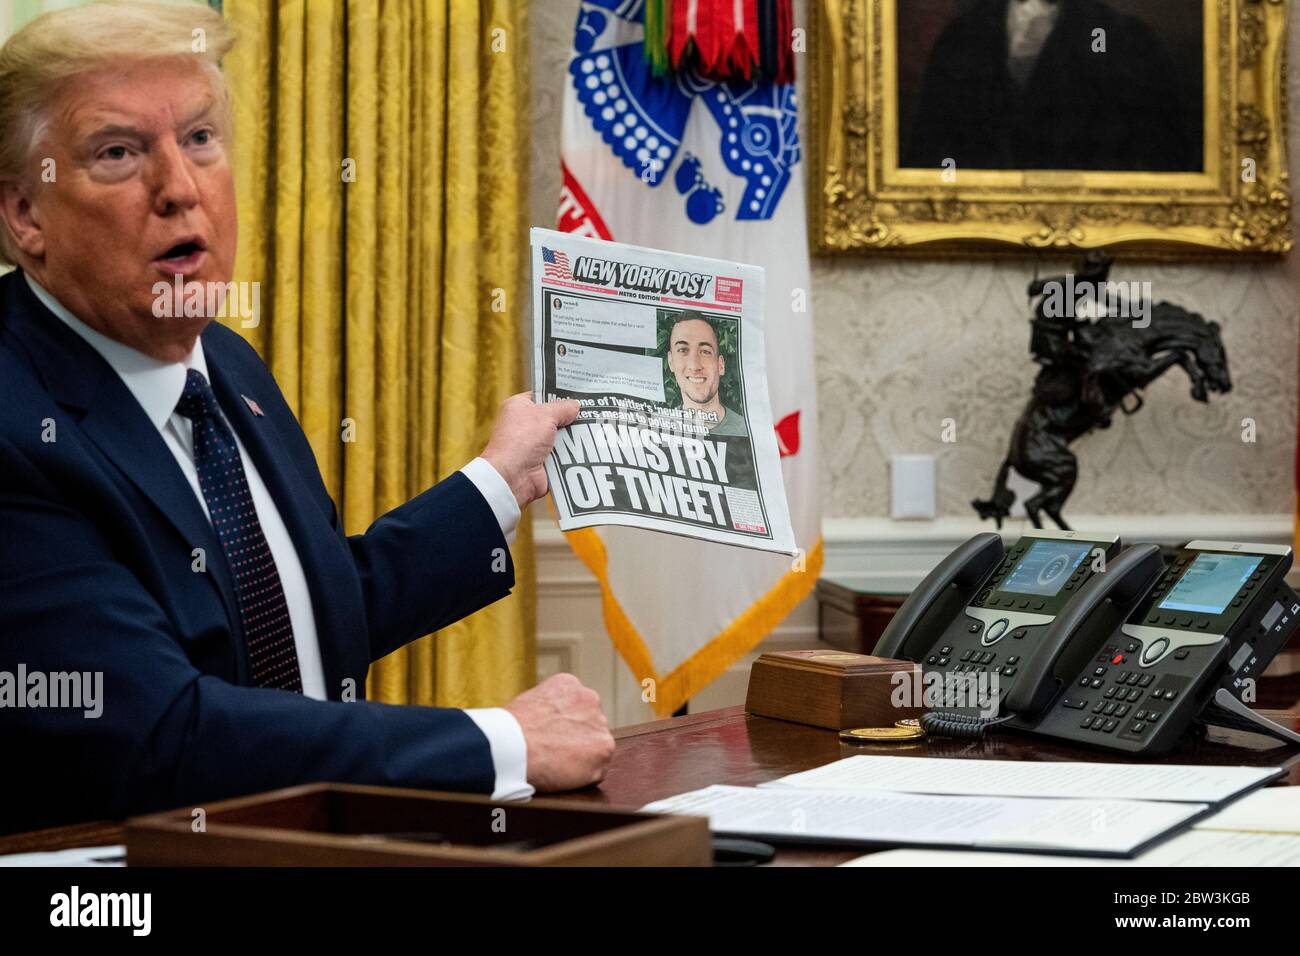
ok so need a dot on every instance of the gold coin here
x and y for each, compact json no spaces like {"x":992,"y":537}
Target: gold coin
{"x":881,"y":734}
{"x":909,"y":722}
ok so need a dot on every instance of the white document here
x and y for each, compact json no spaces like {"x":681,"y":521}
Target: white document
{"x":1202,"y":848}
{"x":1026,"y":778}
{"x":1271,"y":810}
{"x":1114,"y":827}
{"x":78,"y":856}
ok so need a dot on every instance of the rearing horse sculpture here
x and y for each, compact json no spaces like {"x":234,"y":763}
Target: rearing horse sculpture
{"x":1091,"y":370}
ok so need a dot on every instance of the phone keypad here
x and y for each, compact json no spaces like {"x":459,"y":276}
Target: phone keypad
{"x":941,"y":659}
{"x":1121,"y":688}
{"x":1131,"y":701}
{"x":961,"y":653}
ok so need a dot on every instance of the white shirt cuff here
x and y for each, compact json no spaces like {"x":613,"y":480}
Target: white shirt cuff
{"x":509,"y":750}
{"x":497,"y":493}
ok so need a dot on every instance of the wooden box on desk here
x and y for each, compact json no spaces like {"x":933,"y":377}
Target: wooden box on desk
{"x":345,"y":825}
{"x":833,"y":689}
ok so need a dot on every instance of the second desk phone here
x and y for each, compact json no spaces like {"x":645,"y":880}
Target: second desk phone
{"x":1123,"y":653}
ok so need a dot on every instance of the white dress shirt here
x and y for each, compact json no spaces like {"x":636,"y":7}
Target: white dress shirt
{"x":158,"y":386}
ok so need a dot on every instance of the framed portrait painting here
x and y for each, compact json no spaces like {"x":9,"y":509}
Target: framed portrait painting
{"x":1155,"y":126}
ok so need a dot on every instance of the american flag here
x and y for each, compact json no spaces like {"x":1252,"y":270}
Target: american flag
{"x":555,"y":265}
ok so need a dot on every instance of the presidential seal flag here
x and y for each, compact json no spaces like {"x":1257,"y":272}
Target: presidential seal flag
{"x":692,"y":146}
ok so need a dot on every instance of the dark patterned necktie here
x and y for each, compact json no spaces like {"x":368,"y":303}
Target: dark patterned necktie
{"x":263,"y":611}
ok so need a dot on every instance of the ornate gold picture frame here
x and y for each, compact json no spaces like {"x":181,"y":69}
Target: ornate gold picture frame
{"x":1237,"y":203}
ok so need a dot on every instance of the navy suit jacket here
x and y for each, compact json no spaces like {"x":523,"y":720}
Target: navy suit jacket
{"x":97,"y":532}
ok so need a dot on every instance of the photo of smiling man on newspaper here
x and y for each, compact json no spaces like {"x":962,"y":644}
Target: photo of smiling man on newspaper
{"x":694,"y":356}
{"x":665,"y":354}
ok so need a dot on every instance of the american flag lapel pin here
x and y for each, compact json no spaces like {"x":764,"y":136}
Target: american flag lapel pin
{"x":253,"y":407}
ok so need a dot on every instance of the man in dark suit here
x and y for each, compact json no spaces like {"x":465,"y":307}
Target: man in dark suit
{"x":1049,"y":84}
{"x":165,"y":534}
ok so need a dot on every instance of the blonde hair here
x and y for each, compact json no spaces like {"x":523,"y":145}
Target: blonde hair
{"x":65,"y":43}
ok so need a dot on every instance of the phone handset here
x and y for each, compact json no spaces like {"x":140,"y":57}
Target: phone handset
{"x":960,"y":575}
{"x":1123,"y":583}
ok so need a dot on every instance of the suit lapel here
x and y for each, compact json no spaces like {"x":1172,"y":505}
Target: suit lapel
{"x":81,"y":381}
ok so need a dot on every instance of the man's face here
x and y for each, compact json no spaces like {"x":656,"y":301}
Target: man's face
{"x":143,"y":192}
{"x":694,"y":360}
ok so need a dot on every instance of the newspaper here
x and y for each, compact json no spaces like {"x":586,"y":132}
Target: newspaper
{"x":665,"y":354}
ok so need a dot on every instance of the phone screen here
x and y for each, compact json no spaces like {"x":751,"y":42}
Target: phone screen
{"x":1210,"y":583}
{"x":1045,"y":568}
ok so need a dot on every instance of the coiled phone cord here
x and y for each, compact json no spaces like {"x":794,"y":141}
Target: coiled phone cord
{"x":948,"y":724}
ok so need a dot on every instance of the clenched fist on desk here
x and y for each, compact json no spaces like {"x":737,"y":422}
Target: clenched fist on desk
{"x":568,"y":738}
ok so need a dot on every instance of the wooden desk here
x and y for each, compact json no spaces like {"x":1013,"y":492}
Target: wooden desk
{"x":106,"y":833}
{"x":666,"y":757}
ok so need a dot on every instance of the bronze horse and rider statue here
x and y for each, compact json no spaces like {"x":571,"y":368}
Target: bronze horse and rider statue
{"x":1092,"y":368}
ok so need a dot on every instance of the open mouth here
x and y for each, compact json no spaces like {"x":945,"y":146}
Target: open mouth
{"x":182,"y":250}
{"x":184,"y":258}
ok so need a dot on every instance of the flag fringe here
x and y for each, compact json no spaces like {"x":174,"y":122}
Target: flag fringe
{"x":708,"y":663}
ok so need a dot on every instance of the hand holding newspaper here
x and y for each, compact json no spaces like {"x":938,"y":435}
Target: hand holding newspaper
{"x":665,"y":354}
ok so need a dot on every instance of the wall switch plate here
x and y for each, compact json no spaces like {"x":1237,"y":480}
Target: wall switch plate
{"x":912,"y":479}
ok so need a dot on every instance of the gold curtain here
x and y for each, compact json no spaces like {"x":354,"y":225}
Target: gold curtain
{"x":381,"y":161}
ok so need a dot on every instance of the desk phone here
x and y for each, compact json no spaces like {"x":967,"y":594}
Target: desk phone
{"x":1192,"y":648}
{"x":983,"y":610}
{"x":1118,"y":652}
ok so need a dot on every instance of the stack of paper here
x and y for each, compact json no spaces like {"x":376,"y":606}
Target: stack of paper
{"x":1103,"y":827}
{"x":1275,"y":810}
{"x":1089,"y":809}
{"x":78,"y":856}
{"x":1029,"y":778}
{"x":1261,"y":829}
{"x":1196,"y":848}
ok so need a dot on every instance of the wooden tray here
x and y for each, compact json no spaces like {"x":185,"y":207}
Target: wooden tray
{"x":345,"y":825}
